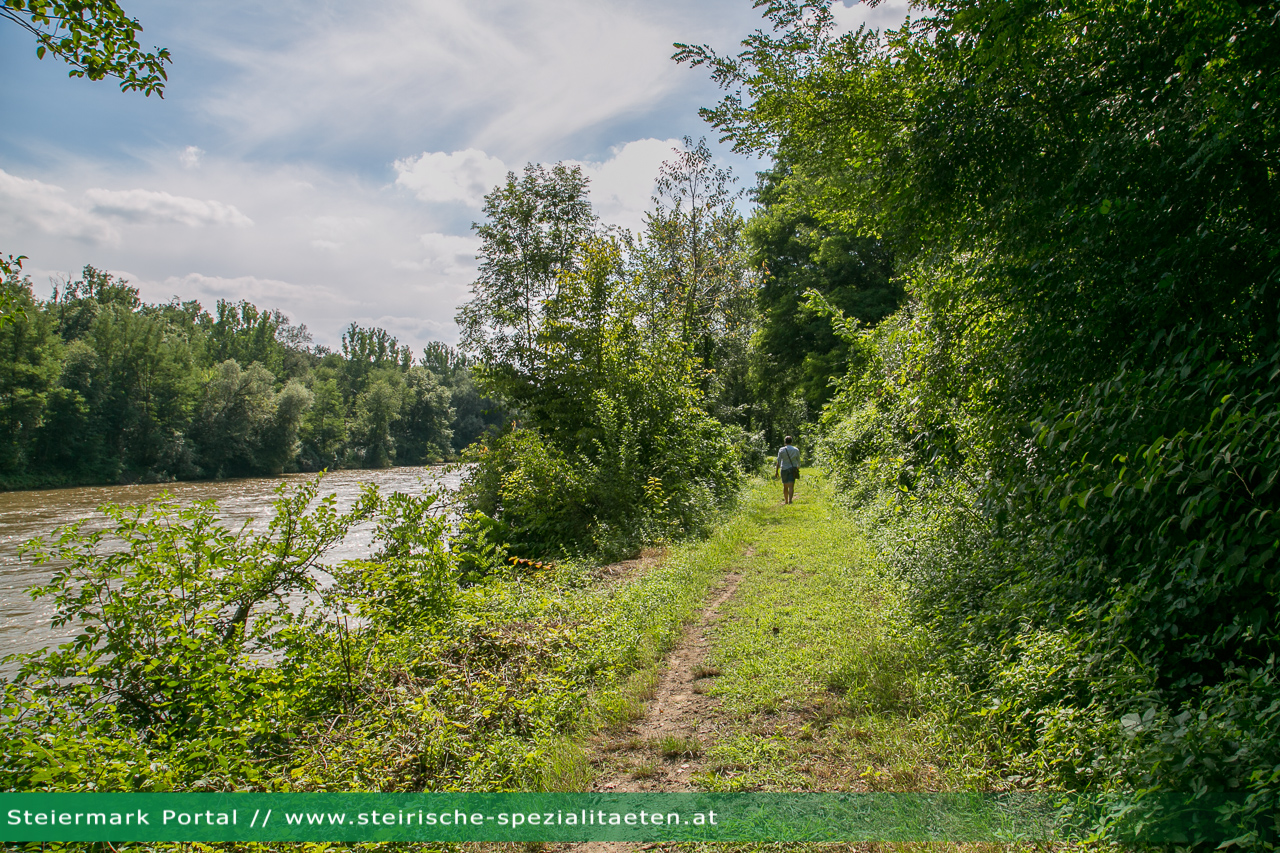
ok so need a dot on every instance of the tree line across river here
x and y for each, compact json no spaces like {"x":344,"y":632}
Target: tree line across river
{"x":97,"y":386}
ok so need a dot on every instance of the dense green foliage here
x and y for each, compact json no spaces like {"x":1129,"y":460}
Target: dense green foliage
{"x":95,"y":37}
{"x":98,"y":387}
{"x":1034,"y":243}
{"x":625,"y":359}
{"x":798,"y":354}
{"x":1072,"y":425}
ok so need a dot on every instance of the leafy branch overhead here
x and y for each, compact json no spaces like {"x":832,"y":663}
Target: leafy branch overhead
{"x":95,"y":37}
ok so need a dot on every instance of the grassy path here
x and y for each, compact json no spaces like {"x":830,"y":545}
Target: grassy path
{"x":795,"y":676}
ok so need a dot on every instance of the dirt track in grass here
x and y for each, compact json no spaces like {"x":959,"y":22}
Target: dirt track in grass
{"x":662,"y":751}
{"x":795,"y":676}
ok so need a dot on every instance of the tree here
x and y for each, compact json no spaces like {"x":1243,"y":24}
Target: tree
{"x":239,"y":410}
{"x":615,"y":444}
{"x":367,"y":351}
{"x":693,"y":238}
{"x":534,"y":226}
{"x":324,"y":430}
{"x":695,"y":278}
{"x":796,"y":253}
{"x":474,"y":413}
{"x":377,"y":412}
{"x":95,"y":37}
{"x":1075,"y":409}
{"x":30,"y":358}
{"x":10,"y":267}
{"x":142,"y":386}
{"x":77,"y":304}
{"x":595,"y":304}
{"x":242,"y":332}
{"x":423,"y":435}
{"x":277,"y":440}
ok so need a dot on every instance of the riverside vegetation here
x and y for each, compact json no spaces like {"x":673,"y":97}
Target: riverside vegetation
{"x":97,"y":386}
{"x":420,"y":669}
{"x":1013,"y":276}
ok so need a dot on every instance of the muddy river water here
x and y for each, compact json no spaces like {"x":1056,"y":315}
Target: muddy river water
{"x":25,"y":624}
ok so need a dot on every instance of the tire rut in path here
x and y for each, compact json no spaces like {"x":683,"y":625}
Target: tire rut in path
{"x":632,"y":760}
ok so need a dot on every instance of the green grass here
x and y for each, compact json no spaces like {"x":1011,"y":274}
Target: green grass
{"x":822,"y":682}
{"x":625,"y":631}
{"x":680,"y":747}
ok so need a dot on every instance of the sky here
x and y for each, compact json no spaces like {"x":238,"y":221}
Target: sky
{"x":328,"y":159}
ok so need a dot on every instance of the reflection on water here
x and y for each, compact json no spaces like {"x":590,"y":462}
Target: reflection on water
{"x":24,"y":624}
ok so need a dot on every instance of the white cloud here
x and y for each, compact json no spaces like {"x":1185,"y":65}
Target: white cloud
{"x":886,"y":15}
{"x":463,"y":176}
{"x":443,"y":245}
{"x":26,"y":204}
{"x":190,"y":157}
{"x":335,"y":226}
{"x":447,"y":254}
{"x":264,"y":292}
{"x":622,"y":186}
{"x":321,"y":248}
{"x":147,"y":207}
{"x":510,"y":77}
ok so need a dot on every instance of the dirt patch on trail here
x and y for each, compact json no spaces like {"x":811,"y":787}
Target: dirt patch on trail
{"x":663,"y":750}
{"x":617,"y":571}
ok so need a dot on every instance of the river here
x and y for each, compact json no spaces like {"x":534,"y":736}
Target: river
{"x":25,"y":624}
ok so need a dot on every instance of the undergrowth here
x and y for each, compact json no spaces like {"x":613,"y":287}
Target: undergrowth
{"x":424,"y":669}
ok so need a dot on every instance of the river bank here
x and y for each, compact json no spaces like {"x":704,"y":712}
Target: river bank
{"x":25,"y":515}
{"x":431,"y":668}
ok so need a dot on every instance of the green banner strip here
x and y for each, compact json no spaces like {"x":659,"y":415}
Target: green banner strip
{"x":600,"y":817}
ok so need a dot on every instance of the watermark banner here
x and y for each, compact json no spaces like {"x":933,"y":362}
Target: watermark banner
{"x":588,"y":817}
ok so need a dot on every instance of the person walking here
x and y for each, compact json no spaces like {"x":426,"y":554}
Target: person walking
{"x":788,"y":465}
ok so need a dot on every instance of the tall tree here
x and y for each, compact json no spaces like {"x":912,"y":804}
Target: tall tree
{"x":324,"y":430}
{"x":378,"y":410}
{"x":423,"y":434}
{"x":696,"y":280}
{"x":240,"y":331}
{"x":10,"y":268}
{"x":796,"y":253}
{"x":367,"y":351}
{"x":534,"y":225}
{"x":29,"y":362}
{"x":693,"y":235}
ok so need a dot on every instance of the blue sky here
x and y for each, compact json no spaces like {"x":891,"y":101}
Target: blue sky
{"x":327,"y":158}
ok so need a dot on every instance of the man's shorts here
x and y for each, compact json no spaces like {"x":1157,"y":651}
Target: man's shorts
{"x":789,"y":474}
